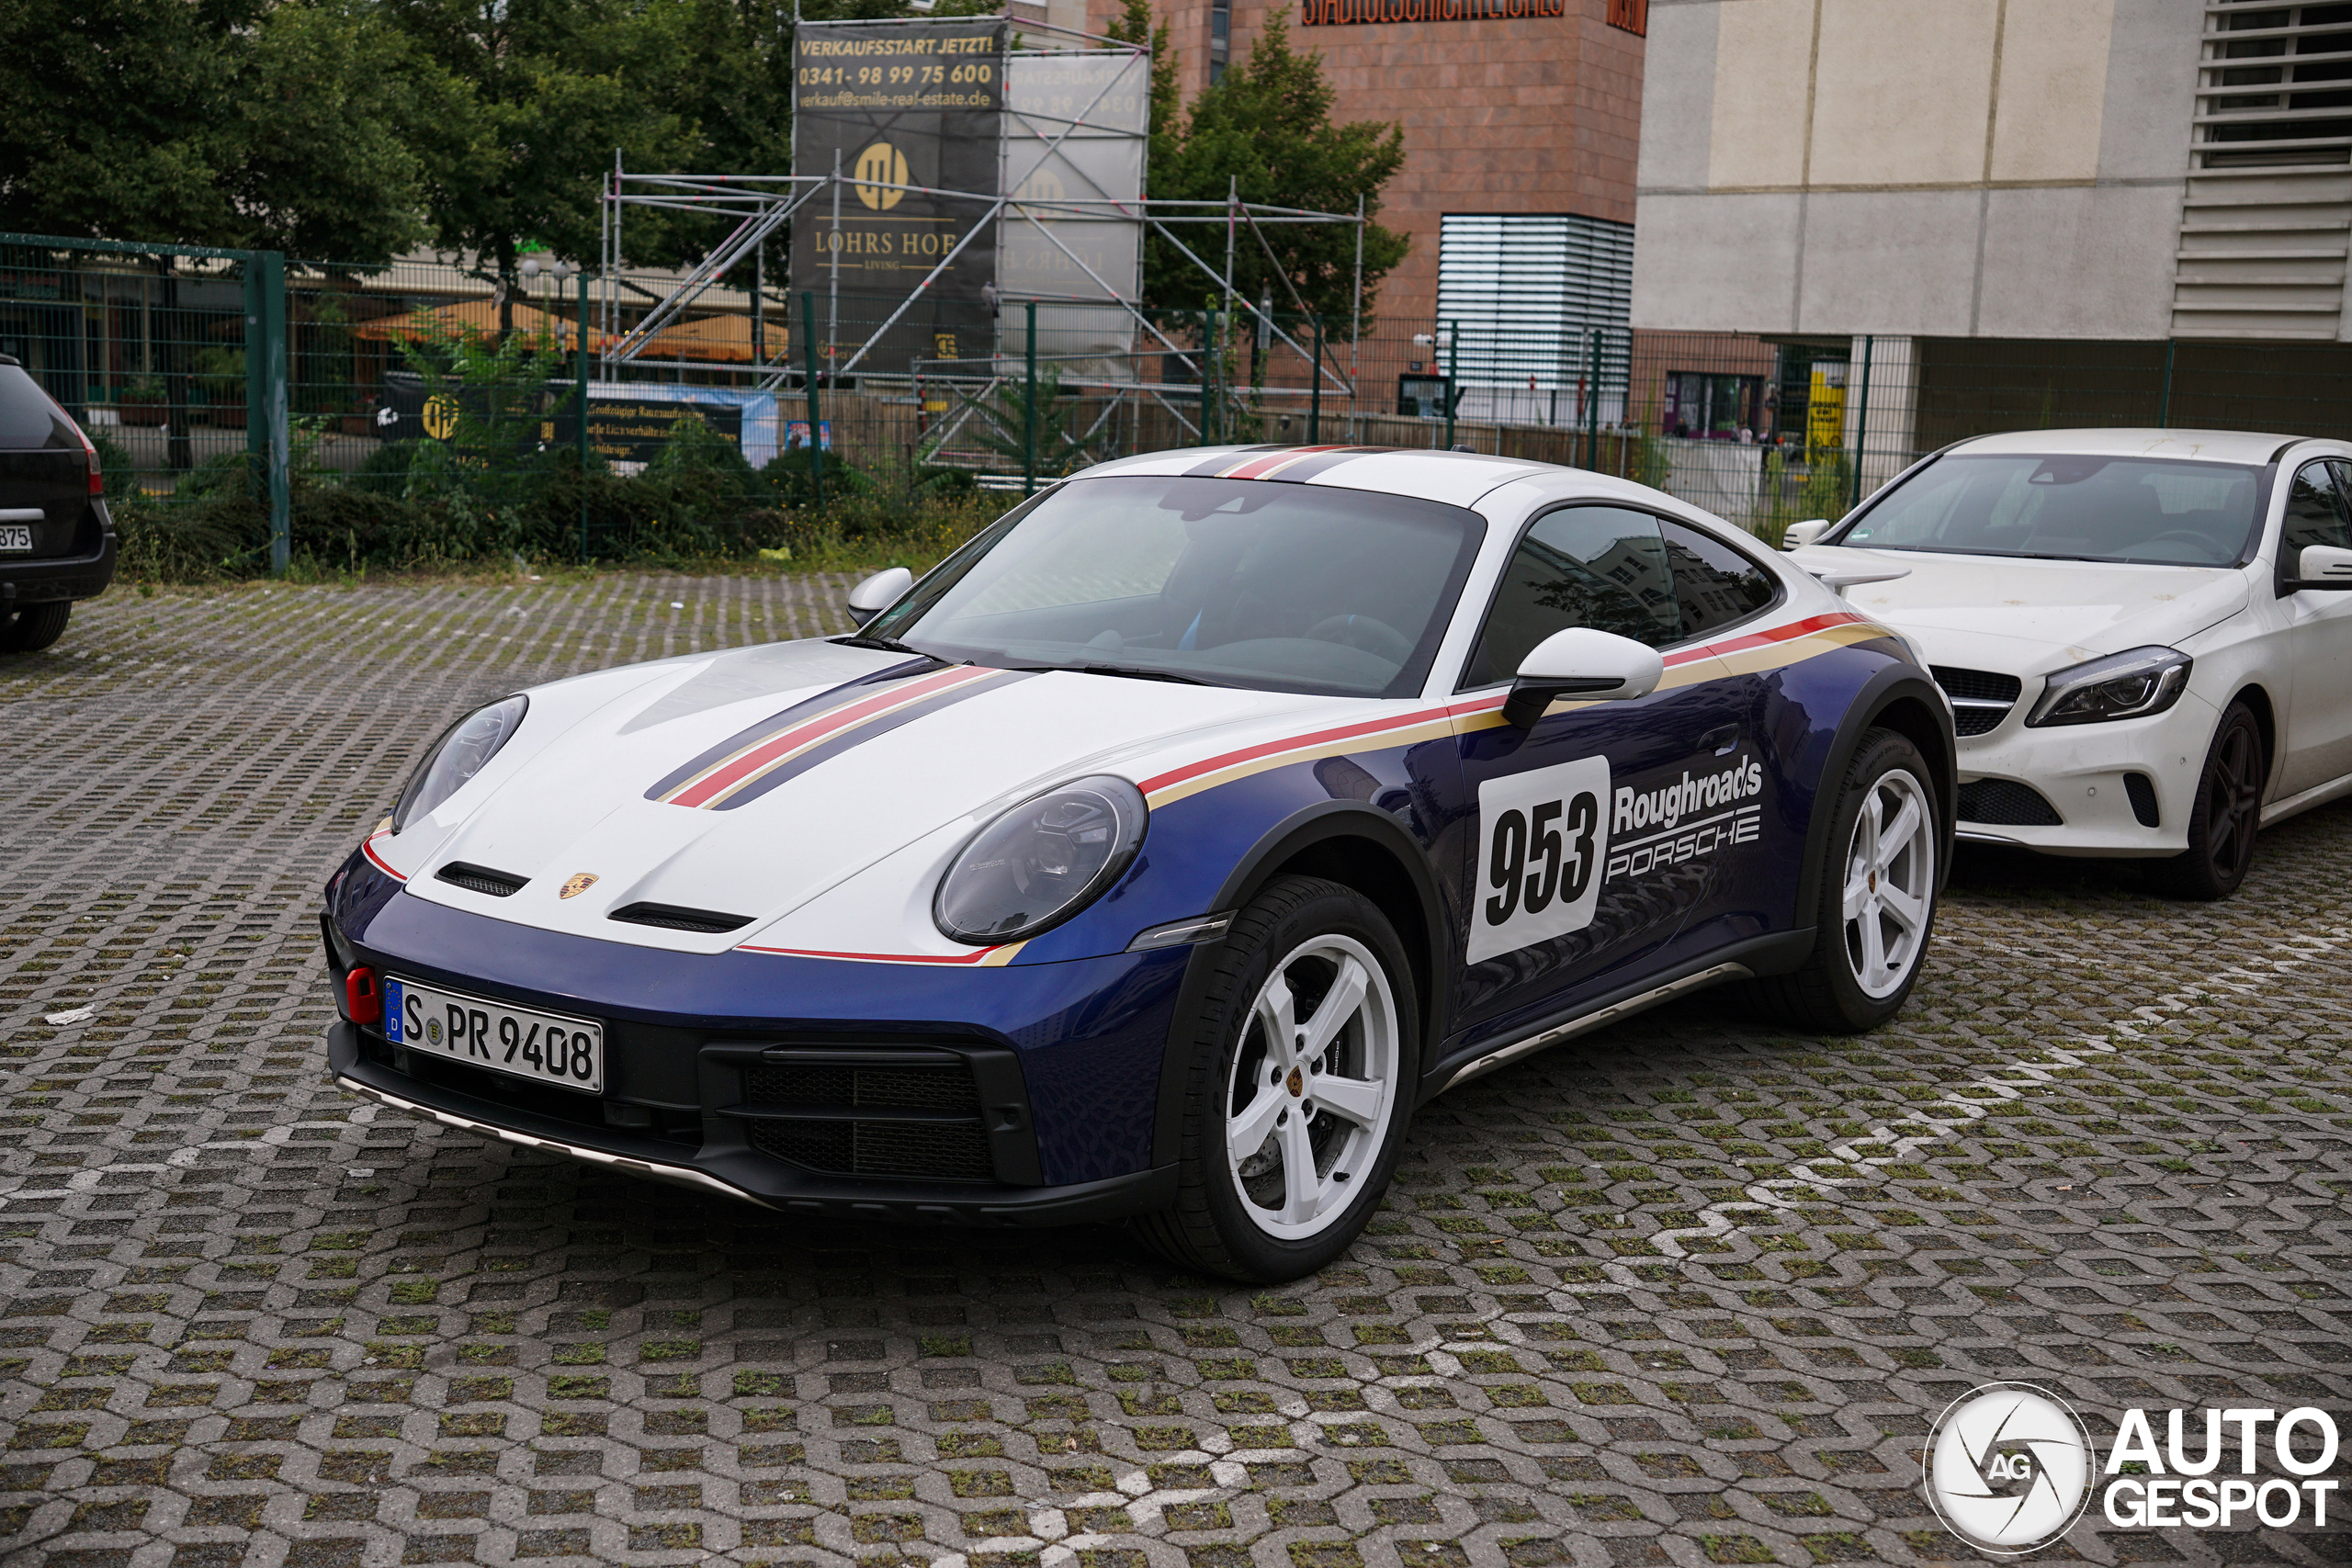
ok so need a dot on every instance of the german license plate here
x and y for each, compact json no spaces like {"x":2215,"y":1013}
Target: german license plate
{"x":544,"y":1048}
{"x":15,"y":536}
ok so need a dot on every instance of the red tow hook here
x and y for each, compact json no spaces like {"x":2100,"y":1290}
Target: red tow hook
{"x":362,"y":1002}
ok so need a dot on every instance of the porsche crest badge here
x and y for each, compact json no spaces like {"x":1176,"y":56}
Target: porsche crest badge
{"x":579,"y":881}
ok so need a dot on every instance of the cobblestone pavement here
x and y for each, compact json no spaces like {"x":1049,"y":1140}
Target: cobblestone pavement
{"x":1688,"y":1292}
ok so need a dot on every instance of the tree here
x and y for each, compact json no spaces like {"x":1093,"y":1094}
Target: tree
{"x":1266,"y":129}
{"x":246,"y":124}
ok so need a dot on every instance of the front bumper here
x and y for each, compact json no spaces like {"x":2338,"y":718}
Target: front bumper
{"x":2084,"y":775}
{"x":26,"y":580}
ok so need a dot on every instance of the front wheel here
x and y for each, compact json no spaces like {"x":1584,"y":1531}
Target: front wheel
{"x":1877,"y":908}
{"x":2224,"y":817}
{"x":1298,"y":1090}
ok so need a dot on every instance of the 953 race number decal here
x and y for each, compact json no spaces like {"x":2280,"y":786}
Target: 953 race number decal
{"x":1543,"y":840}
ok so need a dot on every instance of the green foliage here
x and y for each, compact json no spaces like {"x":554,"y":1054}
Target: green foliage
{"x":245,"y":123}
{"x":1266,"y":129}
{"x":1771,"y":521}
{"x":1829,"y":485}
{"x":998,"y":423}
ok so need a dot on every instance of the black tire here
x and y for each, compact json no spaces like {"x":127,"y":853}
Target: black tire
{"x":1827,"y":994}
{"x":1210,"y":1229}
{"x":35,"y":626}
{"x":2225,"y":816}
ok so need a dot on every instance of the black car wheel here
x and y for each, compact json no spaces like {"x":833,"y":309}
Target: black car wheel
{"x":1301,"y":1073}
{"x":2225,"y":817}
{"x":35,"y":626}
{"x":1877,"y":908}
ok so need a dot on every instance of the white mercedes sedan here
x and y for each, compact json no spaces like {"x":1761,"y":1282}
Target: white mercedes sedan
{"x":2145,"y":635}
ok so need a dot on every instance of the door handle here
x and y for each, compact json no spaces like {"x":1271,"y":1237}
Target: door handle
{"x":1720,"y":740}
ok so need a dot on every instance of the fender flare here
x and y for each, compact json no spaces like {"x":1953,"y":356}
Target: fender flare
{"x":1897,"y":680}
{"x":1301,"y":830}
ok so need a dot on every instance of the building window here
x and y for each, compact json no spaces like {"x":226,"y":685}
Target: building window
{"x":1220,"y":38}
{"x":2260,"y":101}
{"x":1533,"y":302}
{"x":1703,"y":406}
{"x":1633,"y":16}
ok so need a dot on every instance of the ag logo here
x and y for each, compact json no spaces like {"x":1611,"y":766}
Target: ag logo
{"x":879,"y":166}
{"x":2008,"y":1467}
{"x":579,"y":881}
{"x":440,"y":417}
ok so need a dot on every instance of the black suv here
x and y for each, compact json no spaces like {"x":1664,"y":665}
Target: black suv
{"x":56,"y":541}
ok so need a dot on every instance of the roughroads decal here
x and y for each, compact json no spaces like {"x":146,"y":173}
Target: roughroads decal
{"x":1543,"y":837}
{"x":1692,"y":817}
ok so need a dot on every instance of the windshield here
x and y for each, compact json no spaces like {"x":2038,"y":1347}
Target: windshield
{"x":2069,"y":508}
{"x":1236,"y":582}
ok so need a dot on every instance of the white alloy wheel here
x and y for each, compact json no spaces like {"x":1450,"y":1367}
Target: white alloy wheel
{"x":1312,"y":1087}
{"x":1890,"y":883}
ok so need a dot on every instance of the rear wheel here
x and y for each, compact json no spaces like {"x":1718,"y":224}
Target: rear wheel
{"x":1298,"y":1090}
{"x":1877,"y":910}
{"x":35,"y":626}
{"x":2225,"y":816}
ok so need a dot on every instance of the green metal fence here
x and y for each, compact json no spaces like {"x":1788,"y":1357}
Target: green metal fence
{"x":306,"y":409}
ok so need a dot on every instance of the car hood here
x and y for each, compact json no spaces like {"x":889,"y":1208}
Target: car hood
{"x":752,"y":781}
{"x":2028,"y":618}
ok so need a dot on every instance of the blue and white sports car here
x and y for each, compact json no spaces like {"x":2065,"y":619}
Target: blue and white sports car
{"x":1157,"y":854}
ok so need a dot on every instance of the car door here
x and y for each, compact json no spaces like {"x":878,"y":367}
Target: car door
{"x":1572,"y":874}
{"x":2317,"y":738}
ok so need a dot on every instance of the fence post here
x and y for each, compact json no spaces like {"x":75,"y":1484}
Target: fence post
{"x":1315,"y":393}
{"x":808,"y":372}
{"x":2164,"y":399}
{"x":1029,"y":409}
{"x":1592,"y":408}
{"x":266,"y":431}
{"x":582,"y":415}
{"x":1452,"y":395}
{"x":1861,"y":423}
{"x":1212,"y":364}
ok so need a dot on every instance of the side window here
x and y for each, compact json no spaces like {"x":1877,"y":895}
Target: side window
{"x":2314,"y":514}
{"x":1583,"y":566}
{"x":1714,"y":583}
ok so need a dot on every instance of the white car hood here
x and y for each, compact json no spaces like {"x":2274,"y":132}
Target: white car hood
{"x":569,"y":794}
{"x":2029,"y":618}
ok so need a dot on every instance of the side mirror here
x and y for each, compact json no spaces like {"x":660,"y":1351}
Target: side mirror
{"x":878,"y":593}
{"x":2322,"y":567}
{"x":1804,"y":533}
{"x":1581,"y":663}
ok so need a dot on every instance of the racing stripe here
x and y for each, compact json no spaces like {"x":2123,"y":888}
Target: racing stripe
{"x":979,"y":957}
{"x":744,"y":758}
{"x":1220,"y":467}
{"x":367,"y":847}
{"x":826,"y":748}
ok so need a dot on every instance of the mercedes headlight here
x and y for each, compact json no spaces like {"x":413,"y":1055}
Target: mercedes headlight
{"x":463,"y":751}
{"x":2121,"y":685}
{"x":1042,"y":861}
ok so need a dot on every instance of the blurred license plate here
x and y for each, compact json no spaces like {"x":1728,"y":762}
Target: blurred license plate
{"x":15,"y":536}
{"x":547,"y":1047}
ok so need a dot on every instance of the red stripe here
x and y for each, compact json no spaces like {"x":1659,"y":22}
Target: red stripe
{"x":717,"y":784}
{"x":871,"y":957}
{"x":1272,"y":747}
{"x":367,"y":847}
{"x":1257,"y":467}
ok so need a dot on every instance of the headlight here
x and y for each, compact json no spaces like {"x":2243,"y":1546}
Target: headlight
{"x":2121,"y":685}
{"x":1042,"y":861}
{"x":463,"y":751}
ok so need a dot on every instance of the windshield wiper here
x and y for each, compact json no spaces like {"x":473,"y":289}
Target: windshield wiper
{"x":1130,"y":672}
{"x":887,"y":644}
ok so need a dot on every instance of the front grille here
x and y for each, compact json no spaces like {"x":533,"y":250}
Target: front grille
{"x":946,"y":1088}
{"x":670,"y":916}
{"x":2141,"y":791}
{"x":1980,"y":699}
{"x":2007,"y":804}
{"x":481,"y":879}
{"x":930,"y":1151}
{"x":921,"y":1118}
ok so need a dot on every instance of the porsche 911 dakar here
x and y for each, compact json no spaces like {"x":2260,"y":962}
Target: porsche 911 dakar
{"x":1155,"y":854}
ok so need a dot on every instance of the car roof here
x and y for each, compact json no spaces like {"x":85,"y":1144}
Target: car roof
{"x":2212,"y":445}
{"x":1455,"y":479}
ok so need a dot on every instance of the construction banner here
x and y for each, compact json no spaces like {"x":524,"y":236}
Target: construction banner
{"x":899,"y":104}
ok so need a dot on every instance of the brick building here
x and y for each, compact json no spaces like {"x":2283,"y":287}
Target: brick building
{"x":1522,"y":122}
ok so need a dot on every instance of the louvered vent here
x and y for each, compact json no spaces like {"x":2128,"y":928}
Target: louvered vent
{"x":1524,"y":295}
{"x":2269,"y":192}
{"x":670,"y":918}
{"x":481,"y":879}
